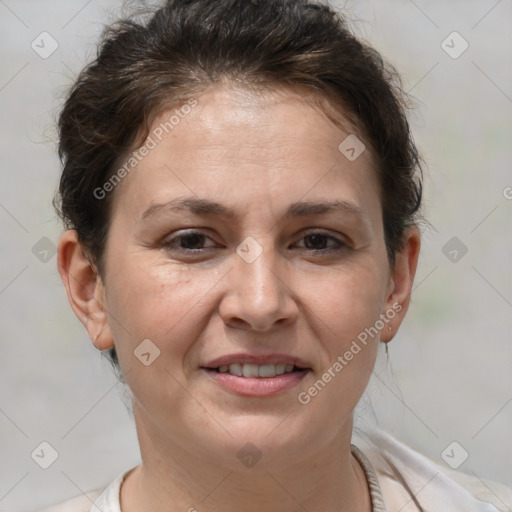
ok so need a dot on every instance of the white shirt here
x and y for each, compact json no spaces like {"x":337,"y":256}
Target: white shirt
{"x":400,"y":480}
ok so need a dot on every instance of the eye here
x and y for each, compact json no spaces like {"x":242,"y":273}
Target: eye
{"x":197,"y":242}
{"x":191,"y":241}
{"x":319,"y":242}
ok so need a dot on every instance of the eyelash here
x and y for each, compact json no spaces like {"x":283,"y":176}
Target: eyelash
{"x":170,"y":244}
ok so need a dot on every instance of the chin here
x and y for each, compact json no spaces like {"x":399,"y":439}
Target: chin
{"x":261,"y":444}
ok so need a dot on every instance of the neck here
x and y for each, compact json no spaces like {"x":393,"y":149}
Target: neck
{"x":173,"y":478}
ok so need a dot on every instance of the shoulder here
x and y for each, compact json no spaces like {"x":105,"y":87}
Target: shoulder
{"x":106,"y":499}
{"x":410,"y":479}
{"x":77,"y":504}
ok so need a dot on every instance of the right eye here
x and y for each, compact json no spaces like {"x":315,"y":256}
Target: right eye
{"x":188,"y":242}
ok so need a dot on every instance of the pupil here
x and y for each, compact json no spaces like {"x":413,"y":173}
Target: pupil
{"x":316,"y":238}
{"x":188,"y":241}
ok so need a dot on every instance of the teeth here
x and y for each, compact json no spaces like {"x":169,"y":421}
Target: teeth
{"x":267,"y":370}
{"x":250,"y":370}
{"x":280,"y":369}
{"x":235,"y":369}
{"x":253,"y":370}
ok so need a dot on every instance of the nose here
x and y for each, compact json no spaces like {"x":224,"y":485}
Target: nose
{"x":259,"y":296}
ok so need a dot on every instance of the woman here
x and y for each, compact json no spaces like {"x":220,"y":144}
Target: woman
{"x":242,"y":196}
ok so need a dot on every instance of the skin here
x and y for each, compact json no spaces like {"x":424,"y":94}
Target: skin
{"x":256,"y":153}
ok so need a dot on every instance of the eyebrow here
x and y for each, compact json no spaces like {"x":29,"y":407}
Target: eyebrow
{"x":204,"y":207}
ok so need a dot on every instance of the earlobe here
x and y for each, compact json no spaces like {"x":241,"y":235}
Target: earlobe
{"x":85,"y":289}
{"x":402,"y":280}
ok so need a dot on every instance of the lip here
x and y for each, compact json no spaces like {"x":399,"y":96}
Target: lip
{"x":256,"y":386}
{"x":246,"y":358}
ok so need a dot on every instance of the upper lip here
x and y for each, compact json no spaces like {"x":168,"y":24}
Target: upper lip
{"x":246,"y":358}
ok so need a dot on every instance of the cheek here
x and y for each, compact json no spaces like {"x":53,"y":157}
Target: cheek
{"x":347,"y":307}
{"x":165,"y":304}
{"x":348,"y":300}
{"x":157,"y":301}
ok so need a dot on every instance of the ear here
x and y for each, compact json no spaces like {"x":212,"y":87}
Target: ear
{"x":85,"y":289}
{"x":401,"y":281}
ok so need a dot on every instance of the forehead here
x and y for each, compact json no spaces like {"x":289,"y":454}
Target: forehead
{"x":240,"y":117}
{"x":235,"y":140}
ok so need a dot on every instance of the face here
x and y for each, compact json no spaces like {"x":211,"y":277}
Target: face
{"x":246,"y":236}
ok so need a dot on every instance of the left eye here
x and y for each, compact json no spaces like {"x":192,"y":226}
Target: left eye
{"x":319,"y":242}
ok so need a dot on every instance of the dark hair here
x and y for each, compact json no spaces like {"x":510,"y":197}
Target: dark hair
{"x":185,"y":46}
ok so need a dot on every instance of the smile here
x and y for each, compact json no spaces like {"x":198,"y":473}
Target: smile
{"x":254,"y":370}
{"x":241,"y":379}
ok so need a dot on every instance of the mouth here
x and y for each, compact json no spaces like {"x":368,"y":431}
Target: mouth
{"x":249,"y":375}
{"x":264,"y":371}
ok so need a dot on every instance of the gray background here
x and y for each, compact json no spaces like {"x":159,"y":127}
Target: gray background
{"x":449,"y":377}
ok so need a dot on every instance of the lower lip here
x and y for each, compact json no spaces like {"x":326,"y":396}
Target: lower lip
{"x":257,"y":386}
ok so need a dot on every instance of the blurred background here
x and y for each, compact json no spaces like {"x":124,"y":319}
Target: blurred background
{"x":448,"y":376}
